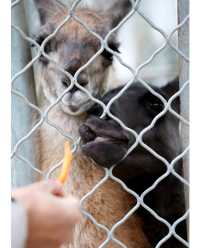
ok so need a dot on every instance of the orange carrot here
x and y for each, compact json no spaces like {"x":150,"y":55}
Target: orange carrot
{"x":66,"y":163}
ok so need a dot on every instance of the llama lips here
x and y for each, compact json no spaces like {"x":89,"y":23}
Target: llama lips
{"x":108,"y":130}
{"x":104,"y":142}
{"x":86,"y":133}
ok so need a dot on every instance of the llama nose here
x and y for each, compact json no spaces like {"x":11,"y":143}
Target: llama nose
{"x":82,"y":81}
{"x":75,"y":88}
{"x":72,"y":68}
{"x":66,"y":83}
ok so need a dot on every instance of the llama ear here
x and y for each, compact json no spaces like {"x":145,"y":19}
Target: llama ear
{"x":48,"y":8}
{"x":118,"y":12}
{"x":171,"y":88}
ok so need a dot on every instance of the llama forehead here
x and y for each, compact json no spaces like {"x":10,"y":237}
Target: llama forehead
{"x":77,"y":43}
{"x":72,"y":38}
{"x":97,"y":23}
{"x":73,"y":54}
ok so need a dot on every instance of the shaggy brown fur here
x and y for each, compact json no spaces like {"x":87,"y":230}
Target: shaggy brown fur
{"x":110,"y":202}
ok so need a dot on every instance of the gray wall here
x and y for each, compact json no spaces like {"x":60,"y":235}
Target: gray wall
{"x":22,"y":116}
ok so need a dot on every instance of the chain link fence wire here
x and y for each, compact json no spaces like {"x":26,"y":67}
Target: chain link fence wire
{"x":24,"y":165}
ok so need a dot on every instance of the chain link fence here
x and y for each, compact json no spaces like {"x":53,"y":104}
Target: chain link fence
{"x":28,"y":117}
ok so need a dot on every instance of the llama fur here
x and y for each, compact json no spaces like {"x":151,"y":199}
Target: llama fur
{"x":110,"y":202}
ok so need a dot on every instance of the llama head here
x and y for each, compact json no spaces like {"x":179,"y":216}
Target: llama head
{"x":71,"y":48}
{"x":107,"y":142}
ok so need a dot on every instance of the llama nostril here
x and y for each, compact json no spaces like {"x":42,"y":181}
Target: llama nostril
{"x":82,"y":79}
{"x":83,"y":83}
{"x":73,"y":89}
{"x":86,"y":133}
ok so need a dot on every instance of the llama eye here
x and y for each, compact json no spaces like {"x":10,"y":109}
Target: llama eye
{"x":40,"y":39}
{"x":156,"y":106}
{"x":48,"y":46}
{"x":66,"y":82}
{"x":153,"y":104}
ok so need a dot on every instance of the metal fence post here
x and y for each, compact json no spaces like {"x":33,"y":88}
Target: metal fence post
{"x":183,"y":11}
{"x":183,"y":41}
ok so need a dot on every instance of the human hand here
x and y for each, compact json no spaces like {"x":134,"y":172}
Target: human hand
{"x":51,"y":216}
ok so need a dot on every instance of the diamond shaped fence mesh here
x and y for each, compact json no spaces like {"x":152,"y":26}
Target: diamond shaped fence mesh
{"x":28,"y":118}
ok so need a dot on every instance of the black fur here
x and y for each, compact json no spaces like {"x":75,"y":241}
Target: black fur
{"x":106,"y":142}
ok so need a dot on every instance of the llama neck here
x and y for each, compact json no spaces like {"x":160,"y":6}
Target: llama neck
{"x":52,"y":137}
{"x":109,"y":203}
{"x":68,"y":124}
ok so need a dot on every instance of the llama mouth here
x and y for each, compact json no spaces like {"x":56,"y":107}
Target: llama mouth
{"x":72,"y":109}
{"x":91,"y":133}
{"x":105,"y":151}
{"x":104,"y":145}
{"x":102,"y":140}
